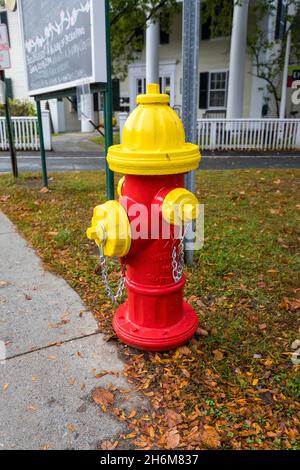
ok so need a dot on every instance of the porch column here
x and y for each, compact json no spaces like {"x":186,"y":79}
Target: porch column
{"x":152,"y":51}
{"x":237,"y":63}
{"x":87,"y":108}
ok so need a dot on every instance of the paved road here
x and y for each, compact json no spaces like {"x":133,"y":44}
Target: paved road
{"x":53,"y":348}
{"x":66,"y":161}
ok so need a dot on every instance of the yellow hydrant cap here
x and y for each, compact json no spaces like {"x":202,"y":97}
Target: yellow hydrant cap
{"x":153,"y":141}
{"x":111,"y":229}
{"x":180,"y":206}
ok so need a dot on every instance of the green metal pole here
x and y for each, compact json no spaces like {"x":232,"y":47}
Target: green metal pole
{"x":42,"y":144}
{"x":12,"y":149}
{"x":110,"y":190}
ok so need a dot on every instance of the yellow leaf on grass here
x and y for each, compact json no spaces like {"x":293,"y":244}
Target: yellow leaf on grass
{"x":255,"y":382}
{"x":268,"y":362}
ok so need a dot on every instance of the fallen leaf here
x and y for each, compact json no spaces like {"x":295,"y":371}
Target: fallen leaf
{"x":210,"y":437}
{"x":173,"y":418}
{"x":5,"y":386}
{"x":261,"y":284}
{"x":255,"y":382}
{"x":184,"y":350}
{"x":172,"y":439}
{"x":31,"y":408}
{"x":45,"y":447}
{"x":4,"y":283}
{"x":100,"y":375}
{"x":218,"y":355}
{"x":295,"y":344}
{"x":132,"y":414}
{"x":72,"y":380}
{"x":108,"y":445}
{"x":44,"y":190}
{"x":71,"y":428}
{"x":268,"y":362}
{"x":103,"y":397}
{"x":201,"y":332}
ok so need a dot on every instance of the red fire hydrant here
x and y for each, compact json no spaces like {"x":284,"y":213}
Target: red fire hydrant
{"x":146,"y":227}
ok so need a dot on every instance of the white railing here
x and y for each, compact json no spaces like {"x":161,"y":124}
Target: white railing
{"x":26,"y":133}
{"x":249,"y":134}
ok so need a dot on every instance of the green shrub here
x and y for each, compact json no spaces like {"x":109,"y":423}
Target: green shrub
{"x":19,"y":108}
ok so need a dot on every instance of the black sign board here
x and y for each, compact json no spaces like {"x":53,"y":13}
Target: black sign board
{"x":60,"y":43}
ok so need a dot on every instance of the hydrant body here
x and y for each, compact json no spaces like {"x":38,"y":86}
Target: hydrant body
{"x":152,"y":195}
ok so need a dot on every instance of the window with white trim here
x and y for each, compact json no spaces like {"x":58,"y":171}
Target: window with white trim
{"x":217,"y":90}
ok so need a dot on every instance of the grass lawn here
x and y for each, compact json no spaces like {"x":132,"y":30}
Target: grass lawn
{"x":234,"y":386}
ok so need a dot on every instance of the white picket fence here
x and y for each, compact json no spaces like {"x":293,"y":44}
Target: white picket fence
{"x":26,"y":134}
{"x":249,"y":134}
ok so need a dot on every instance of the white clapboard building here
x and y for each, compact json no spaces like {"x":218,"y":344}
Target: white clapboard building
{"x":214,"y":73}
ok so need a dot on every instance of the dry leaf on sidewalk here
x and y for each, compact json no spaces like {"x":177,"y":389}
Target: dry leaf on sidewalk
{"x":102,"y":397}
{"x":108,"y":445}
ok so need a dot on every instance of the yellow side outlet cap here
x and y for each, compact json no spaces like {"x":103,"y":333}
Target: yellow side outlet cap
{"x":180,"y":206}
{"x":111,"y":229}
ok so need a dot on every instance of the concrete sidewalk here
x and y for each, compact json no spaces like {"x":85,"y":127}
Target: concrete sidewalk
{"x":76,"y":142}
{"x":53,"y":350}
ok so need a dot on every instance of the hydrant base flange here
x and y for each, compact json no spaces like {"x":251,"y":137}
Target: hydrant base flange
{"x":155,"y":339}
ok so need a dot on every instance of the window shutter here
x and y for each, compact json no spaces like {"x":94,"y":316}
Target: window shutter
{"x":203,"y":92}
{"x":9,"y":88}
{"x":116,"y":94}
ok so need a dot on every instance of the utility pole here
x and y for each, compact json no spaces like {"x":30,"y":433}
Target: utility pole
{"x":152,"y":51}
{"x":190,"y":84}
{"x":12,"y":149}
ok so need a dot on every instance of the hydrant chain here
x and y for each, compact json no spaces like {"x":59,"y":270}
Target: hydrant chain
{"x":104,"y":274}
{"x":178,"y":263}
